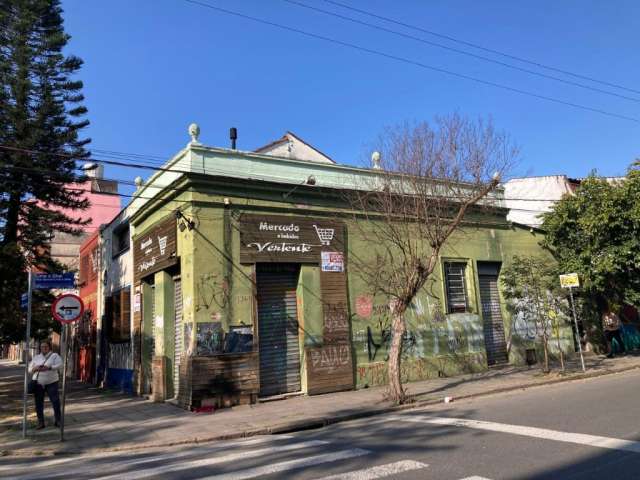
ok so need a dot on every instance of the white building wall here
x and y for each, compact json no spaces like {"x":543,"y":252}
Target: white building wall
{"x":528,"y":198}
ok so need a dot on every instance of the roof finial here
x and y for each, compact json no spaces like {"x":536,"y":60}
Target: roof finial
{"x":194,"y":132}
{"x":375,"y":161}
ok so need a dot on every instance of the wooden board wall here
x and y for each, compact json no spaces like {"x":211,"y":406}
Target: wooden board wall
{"x":230,"y":375}
{"x":330,"y":367}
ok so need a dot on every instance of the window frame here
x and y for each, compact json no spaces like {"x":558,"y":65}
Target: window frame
{"x":117,"y":234}
{"x":452,"y":308}
{"x":119,"y":315}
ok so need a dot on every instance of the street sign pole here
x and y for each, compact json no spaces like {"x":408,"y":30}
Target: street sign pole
{"x":575,"y":321}
{"x":65,"y":329}
{"x":26,"y":356}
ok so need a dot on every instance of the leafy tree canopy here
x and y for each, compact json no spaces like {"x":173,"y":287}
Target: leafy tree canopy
{"x":596,"y":233}
{"x":41,"y":116}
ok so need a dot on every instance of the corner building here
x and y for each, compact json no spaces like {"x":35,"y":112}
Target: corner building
{"x":243,"y":287}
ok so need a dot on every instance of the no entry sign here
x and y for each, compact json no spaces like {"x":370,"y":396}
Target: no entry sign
{"x":67,"y":308}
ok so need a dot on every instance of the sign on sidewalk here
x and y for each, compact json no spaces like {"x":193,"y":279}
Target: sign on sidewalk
{"x":67,"y":308}
{"x":44,"y":281}
{"x":570,"y":280}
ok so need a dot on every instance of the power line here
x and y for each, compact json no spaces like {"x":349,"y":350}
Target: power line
{"x":169,"y":188}
{"x":207,"y":171}
{"x":413,"y":62}
{"x":480,"y":47}
{"x":461,"y":52}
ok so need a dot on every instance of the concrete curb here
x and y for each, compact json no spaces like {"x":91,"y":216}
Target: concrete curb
{"x":313,"y":423}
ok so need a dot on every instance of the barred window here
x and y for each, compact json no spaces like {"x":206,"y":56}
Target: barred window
{"x":118,"y":313}
{"x":84,"y":269}
{"x":120,"y":240}
{"x":455,"y":282}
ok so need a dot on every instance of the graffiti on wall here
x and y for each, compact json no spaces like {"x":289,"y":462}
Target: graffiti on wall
{"x":336,"y":322}
{"x":187,"y":336}
{"x":329,"y":358}
{"x":213,"y":289}
{"x":524,"y":326}
{"x":430,"y":332}
{"x":120,"y":356}
{"x":209,"y":338}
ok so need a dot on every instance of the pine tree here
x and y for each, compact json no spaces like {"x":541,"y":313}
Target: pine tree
{"x":41,"y":116}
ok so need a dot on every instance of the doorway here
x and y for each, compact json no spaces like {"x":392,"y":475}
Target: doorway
{"x":494,"y":338}
{"x":278,"y":338}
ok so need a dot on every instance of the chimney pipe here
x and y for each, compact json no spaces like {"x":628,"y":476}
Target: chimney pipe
{"x":233,"y":135}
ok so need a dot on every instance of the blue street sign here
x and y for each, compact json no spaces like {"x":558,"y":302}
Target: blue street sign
{"x":43,"y":281}
{"x":24,"y":301}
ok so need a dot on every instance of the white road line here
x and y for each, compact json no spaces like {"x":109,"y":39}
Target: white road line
{"x":289,"y":465}
{"x":166,"y":455}
{"x":379,"y":471}
{"x":149,"y":472}
{"x":546,"y":434}
{"x":475,"y":477}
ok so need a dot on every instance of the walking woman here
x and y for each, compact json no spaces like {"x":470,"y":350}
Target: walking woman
{"x":44,"y":369}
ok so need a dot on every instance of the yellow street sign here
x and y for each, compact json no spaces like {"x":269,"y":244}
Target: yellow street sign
{"x":569,"y":280}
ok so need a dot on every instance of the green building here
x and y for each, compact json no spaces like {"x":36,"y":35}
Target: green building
{"x":242,"y":286}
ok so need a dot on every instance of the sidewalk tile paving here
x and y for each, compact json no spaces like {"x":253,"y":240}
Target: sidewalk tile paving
{"x":97,"y":420}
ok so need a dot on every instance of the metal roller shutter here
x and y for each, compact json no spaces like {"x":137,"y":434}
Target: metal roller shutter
{"x":278,"y":328}
{"x":177,"y":349}
{"x":493,"y":321}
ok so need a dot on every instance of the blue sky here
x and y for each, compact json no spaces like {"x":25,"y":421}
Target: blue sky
{"x":153,"y":67}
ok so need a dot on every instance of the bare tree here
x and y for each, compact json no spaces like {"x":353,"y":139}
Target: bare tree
{"x":431,"y":176}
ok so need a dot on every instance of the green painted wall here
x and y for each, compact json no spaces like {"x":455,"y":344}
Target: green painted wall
{"x":164,"y":297}
{"x":148,"y":341}
{"x":310,"y":315}
{"x":216,"y":288}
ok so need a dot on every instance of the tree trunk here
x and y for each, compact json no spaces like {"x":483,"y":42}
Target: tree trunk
{"x":545,"y":348}
{"x":395,"y":391}
{"x":559,"y":346}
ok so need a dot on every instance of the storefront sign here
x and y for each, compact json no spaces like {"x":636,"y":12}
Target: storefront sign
{"x":332,"y":262}
{"x":155,"y":250}
{"x":290,"y":239}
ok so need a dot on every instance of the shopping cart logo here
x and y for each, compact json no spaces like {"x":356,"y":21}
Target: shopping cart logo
{"x":324,"y":234}
{"x":162,"y":242}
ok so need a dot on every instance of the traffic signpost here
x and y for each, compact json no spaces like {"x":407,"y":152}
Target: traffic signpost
{"x":66,"y":309}
{"x":26,"y":354}
{"x":571,"y":281}
{"x":24,"y":301}
{"x":45,"y":281}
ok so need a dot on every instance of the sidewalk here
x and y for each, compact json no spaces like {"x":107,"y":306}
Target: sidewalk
{"x":100,"y":421}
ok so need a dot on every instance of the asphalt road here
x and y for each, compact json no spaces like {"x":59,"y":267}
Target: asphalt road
{"x":578,"y":430}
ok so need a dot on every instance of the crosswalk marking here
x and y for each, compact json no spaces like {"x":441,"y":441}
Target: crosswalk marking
{"x":288,"y":465}
{"x":212,"y":461}
{"x":379,"y":471}
{"x":546,"y":434}
{"x":166,"y":456}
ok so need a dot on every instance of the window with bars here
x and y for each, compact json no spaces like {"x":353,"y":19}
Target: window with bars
{"x":84,"y":269}
{"x":120,"y":240}
{"x":456,"y":286}
{"x":118,"y":313}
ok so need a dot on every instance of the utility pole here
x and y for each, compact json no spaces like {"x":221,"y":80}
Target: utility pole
{"x":26,"y":357}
